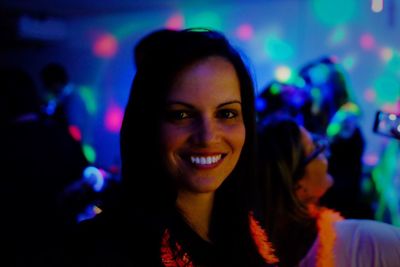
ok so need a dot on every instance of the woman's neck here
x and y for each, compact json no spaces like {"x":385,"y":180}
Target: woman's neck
{"x":197,"y":209}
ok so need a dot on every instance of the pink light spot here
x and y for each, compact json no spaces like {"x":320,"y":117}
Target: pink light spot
{"x":371,"y":159}
{"x":105,"y":46}
{"x":113,"y":119}
{"x":334,"y":58}
{"x":367,"y":41}
{"x":75,"y":132}
{"x":391,"y":108}
{"x":370,"y":95}
{"x":175,"y":22}
{"x":386,"y":54}
{"x":245,"y":32}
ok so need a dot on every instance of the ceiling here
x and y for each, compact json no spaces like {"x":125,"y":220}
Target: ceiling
{"x":11,"y":12}
{"x":72,"y":8}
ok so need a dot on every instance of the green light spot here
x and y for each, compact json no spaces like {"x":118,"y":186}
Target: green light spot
{"x":394,"y":63}
{"x":349,"y":62}
{"x":382,"y":176}
{"x":338,"y":36}
{"x":89,"y":98}
{"x":333,"y":129}
{"x":315,"y":93}
{"x":298,"y":81}
{"x":89,"y":153}
{"x":204,"y":20}
{"x":334,"y":12}
{"x":319,"y":74}
{"x":275,"y":89}
{"x":340,"y":116}
{"x":387,"y":88}
{"x":277,"y":49}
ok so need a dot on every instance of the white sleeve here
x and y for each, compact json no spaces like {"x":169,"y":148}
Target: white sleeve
{"x":367,"y":243}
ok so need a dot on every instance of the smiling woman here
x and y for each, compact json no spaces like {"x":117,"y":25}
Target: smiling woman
{"x":187,"y":141}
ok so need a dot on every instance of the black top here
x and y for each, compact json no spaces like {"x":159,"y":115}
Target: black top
{"x":137,"y":242}
{"x":39,"y":159}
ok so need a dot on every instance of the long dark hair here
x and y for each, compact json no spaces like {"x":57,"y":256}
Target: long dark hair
{"x":280,"y":154}
{"x":147,"y":184}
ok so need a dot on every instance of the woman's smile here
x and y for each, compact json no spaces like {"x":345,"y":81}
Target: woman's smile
{"x":205,"y":161}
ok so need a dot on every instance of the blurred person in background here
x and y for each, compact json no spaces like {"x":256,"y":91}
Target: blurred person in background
{"x":39,"y":160}
{"x":293,"y":171}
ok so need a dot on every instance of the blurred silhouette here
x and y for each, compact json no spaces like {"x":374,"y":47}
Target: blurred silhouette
{"x":335,"y":114}
{"x":326,"y":83}
{"x":323,"y":105}
{"x":62,"y":100}
{"x":39,"y":159}
{"x":345,"y":165}
{"x":284,"y":98}
{"x":386,"y":172}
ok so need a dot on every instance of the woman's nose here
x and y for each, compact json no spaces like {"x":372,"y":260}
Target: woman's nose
{"x":207,"y":131}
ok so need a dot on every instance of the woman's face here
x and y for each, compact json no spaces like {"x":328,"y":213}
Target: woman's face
{"x":203,"y":133}
{"x":316,"y":180}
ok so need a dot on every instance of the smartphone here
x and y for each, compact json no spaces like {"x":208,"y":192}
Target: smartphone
{"x":387,"y":124}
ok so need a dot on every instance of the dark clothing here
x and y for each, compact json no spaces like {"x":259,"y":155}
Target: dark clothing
{"x":137,"y":242}
{"x":99,"y":242}
{"x":39,"y":159}
{"x":345,"y":166}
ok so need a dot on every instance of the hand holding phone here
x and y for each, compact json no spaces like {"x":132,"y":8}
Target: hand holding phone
{"x":387,"y":124}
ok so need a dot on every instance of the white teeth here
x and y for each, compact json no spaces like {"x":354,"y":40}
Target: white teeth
{"x":205,"y":160}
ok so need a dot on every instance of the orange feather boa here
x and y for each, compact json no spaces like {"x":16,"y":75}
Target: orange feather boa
{"x":174,"y":256}
{"x":326,"y":219}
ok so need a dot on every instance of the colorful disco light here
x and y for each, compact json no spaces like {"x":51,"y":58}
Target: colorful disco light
{"x":206,"y":19}
{"x":175,"y":22}
{"x":277,"y":49}
{"x":89,"y":97}
{"x":370,"y":95}
{"x":283,"y":74}
{"x":338,"y":36}
{"x":113,"y":118}
{"x":75,"y":132}
{"x":386,"y":54}
{"x":377,"y":6}
{"x":105,"y":46}
{"x":367,"y":41}
{"x":89,"y":153}
{"x":336,"y":12}
{"x":245,"y":32}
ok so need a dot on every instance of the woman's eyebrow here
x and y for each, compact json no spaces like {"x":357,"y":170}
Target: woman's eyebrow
{"x":229,"y":103}
{"x":171,"y":103}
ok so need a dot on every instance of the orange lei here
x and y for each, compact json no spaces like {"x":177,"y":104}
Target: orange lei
{"x":326,"y":219}
{"x":261,"y":240}
{"x":171,"y":257}
{"x":177,"y":258}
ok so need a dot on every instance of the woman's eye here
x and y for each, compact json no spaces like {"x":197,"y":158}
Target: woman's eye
{"x":227,"y":114}
{"x":177,"y":115}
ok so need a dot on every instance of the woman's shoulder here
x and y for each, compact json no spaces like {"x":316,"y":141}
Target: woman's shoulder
{"x":368,"y":230}
{"x":356,"y":243}
{"x":367,"y":243}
